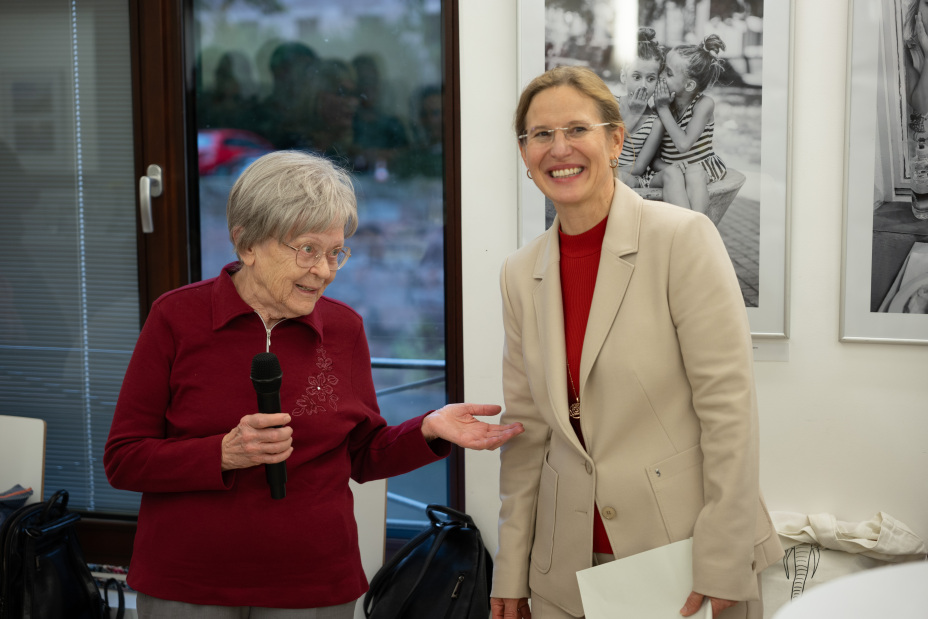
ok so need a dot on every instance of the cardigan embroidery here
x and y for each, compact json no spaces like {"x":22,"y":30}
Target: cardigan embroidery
{"x":320,"y":395}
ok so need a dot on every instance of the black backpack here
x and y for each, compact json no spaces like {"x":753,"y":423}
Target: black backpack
{"x":442,"y":573}
{"x":43,"y":574}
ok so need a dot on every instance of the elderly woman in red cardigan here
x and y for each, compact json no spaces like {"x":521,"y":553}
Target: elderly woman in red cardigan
{"x":211,"y":541}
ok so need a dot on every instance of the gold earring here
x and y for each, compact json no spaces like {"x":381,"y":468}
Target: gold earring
{"x":528,"y":173}
{"x":613,"y":163}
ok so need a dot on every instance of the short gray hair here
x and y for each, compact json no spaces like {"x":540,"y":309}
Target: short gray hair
{"x":288,"y":193}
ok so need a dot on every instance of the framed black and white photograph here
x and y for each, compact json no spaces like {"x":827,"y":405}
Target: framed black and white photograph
{"x":748,"y":199}
{"x":885,"y":263}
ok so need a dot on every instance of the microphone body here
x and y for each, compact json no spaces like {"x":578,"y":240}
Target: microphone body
{"x":266,"y":376}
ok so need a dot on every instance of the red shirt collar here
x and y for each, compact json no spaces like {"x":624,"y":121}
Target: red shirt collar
{"x":228,"y":305}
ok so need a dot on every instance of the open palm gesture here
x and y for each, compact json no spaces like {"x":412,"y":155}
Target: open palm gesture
{"x":458,"y":424}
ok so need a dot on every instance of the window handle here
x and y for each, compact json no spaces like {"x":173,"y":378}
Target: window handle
{"x":149,"y":187}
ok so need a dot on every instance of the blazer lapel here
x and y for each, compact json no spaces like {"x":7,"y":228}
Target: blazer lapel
{"x":614,"y":273}
{"x":549,"y":311}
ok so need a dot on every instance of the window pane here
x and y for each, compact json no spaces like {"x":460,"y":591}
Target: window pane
{"x":360,"y":82}
{"x":69,"y":297}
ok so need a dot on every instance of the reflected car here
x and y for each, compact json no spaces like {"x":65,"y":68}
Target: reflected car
{"x":225,"y":151}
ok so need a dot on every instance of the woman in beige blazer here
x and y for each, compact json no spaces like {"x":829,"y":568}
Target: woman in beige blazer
{"x":628,"y":360}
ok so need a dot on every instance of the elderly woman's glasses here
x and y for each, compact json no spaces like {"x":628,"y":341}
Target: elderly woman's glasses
{"x":308,"y":256}
{"x":544,"y":135}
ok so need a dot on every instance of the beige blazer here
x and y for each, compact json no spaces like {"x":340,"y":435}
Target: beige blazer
{"x":669,"y":411}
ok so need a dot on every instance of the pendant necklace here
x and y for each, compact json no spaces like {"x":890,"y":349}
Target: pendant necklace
{"x":574,"y":406}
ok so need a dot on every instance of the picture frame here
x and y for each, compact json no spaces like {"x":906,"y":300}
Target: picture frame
{"x":884,"y":286}
{"x":761,"y":257}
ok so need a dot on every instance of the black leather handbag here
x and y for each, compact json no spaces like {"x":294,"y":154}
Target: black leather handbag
{"x":43,"y":574}
{"x":442,"y":573}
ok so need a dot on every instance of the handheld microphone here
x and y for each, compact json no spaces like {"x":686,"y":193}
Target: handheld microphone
{"x":266,"y":377}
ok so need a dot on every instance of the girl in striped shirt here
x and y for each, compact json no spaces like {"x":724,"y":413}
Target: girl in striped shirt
{"x":643,"y":129}
{"x":689,"y":123}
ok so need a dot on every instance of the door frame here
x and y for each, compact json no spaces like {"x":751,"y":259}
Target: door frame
{"x":158,"y":51}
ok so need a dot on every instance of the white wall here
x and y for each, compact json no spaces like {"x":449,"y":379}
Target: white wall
{"x":844,"y":427}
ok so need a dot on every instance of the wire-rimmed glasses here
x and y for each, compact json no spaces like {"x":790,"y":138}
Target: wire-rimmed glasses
{"x":543,"y":135}
{"x":308,"y":256}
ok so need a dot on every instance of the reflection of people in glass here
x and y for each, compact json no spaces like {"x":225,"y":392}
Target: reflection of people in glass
{"x":186,"y":433}
{"x":377,"y":133}
{"x":334,"y":104}
{"x":430,"y":118}
{"x":284,"y":115}
{"x":230,"y":102}
{"x":424,"y":156}
{"x":915,"y":31}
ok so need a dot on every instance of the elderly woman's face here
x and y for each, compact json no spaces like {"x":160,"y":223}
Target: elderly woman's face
{"x":570,"y":171}
{"x":278,"y":286}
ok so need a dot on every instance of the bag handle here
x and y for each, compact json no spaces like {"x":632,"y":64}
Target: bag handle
{"x":54,"y":516}
{"x":448,"y":511}
{"x":60,"y":496}
{"x":121,"y":610}
{"x":439,"y":528}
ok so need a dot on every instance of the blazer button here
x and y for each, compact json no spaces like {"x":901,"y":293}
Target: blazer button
{"x":608,"y":513}
{"x":589,"y":468}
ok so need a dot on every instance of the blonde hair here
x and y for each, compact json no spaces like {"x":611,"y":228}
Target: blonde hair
{"x":583,"y":80}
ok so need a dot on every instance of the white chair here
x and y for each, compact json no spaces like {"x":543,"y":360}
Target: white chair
{"x":370,"y":511}
{"x":22,"y":454}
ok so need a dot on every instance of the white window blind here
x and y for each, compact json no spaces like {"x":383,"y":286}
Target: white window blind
{"x":69,"y":309}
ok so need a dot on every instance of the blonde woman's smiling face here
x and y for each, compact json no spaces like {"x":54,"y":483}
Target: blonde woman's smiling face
{"x":570,"y":171}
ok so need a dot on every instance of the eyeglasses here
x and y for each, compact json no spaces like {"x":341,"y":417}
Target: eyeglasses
{"x":308,"y":256}
{"x":573,"y":133}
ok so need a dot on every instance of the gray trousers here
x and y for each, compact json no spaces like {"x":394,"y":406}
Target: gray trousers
{"x":155,"y":608}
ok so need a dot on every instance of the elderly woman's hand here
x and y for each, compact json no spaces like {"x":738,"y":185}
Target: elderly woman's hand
{"x":457,"y":424}
{"x":257,"y":439}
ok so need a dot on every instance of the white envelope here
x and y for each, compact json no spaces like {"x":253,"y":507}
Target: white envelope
{"x":649,"y":585}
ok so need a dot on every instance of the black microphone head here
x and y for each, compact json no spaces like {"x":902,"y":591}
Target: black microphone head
{"x":266,"y":373}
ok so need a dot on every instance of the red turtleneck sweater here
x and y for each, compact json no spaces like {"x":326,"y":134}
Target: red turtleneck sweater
{"x":579,"y":265}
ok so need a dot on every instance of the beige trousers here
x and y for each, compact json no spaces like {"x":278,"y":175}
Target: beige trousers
{"x":543,"y":609}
